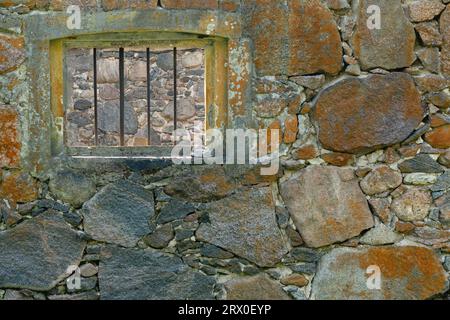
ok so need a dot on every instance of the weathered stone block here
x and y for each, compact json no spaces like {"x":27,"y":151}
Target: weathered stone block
{"x":190,"y":4}
{"x":391,"y":46}
{"x":406,"y":273}
{"x":327,"y":205}
{"x":245,"y":224}
{"x":18,"y":187}
{"x":120,"y":213}
{"x":9,"y":137}
{"x":71,"y":187}
{"x":129,"y":274}
{"x":12,"y":52}
{"x":298,"y":37}
{"x":445,"y":31}
{"x":109,"y":5}
{"x":259,"y":287}
{"x":361,"y":115}
{"x":37,"y":253}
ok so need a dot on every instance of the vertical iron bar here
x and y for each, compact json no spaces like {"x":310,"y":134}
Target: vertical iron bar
{"x":149,"y":79}
{"x":95,"y":98}
{"x":122,"y":96}
{"x":175,"y":93}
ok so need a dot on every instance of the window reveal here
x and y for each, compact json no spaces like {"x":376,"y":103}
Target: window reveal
{"x":133,"y":96}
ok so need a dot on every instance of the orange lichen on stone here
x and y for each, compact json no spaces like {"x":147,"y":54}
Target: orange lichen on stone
{"x":307,"y":152}
{"x":290,"y":129}
{"x":12,"y":52}
{"x":9,"y":136}
{"x":18,"y":187}
{"x":439,"y":137}
{"x":416,"y":265}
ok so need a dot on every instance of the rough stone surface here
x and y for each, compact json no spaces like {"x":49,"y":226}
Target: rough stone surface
{"x":412,"y":205}
{"x":311,"y":196}
{"x":445,"y":31}
{"x":12,"y":52}
{"x":407,"y":273}
{"x":259,"y":287}
{"x":360,"y":115}
{"x":18,"y":187}
{"x":301,"y":35}
{"x":36,"y":254}
{"x":392,"y":46}
{"x":424,"y":10}
{"x":9,"y":136}
{"x":439,"y":137}
{"x":150,"y":275}
{"x":119,"y":214}
{"x":380,"y":180}
{"x":161,"y":237}
{"x":72,"y":187}
{"x":245,"y":224}
{"x":421,"y":163}
{"x":380,"y":235}
{"x":209,"y":184}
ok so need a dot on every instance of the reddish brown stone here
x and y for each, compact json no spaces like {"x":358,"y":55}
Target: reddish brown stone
{"x":404,"y":227}
{"x":306,"y":152}
{"x":439,"y":137}
{"x":429,"y":33}
{"x":352,"y":115}
{"x":298,"y":38}
{"x":190,"y":4}
{"x":128,"y":4}
{"x":431,"y":82}
{"x":445,"y":31}
{"x":297,"y":280}
{"x":9,"y":137}
{"x":407,"y":273}
{"x":339,"y":159}
{"x":18,"y":187}
{"x":290,"y":129}
{"x":438,"y":120}
{"x":12,"y":52}
{"x":315,"y":43}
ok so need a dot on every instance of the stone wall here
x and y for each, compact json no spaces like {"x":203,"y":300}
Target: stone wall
{"x":364,"y":179}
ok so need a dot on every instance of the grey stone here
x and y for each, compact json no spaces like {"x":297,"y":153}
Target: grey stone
{"x":443,"y":183}
{"x":306,"y":254}
{"x":175,"y":210}
{"x":183,"y":234}
{"x":108,"y":71}
{"x":380,"y":235}
{"x":89,"y":295}
{"x":86,"y":284}
{"x":73,"y":218}
{"x":88,"y":270}
{"x":165,"y":61}
{"x":150,"y":275}
{"x":108,"y":118}
{"x":119,"y":214}
{"x":245,"y":224}
{"x":311,"y":197}
{"x":255,"y":288}
{"x":161,"y":237}
{"x":82,"y":104}
{"x":37,"y":253}
{"x":306,"y":268}
{"x":72,"y":187}
{"x":407,"y":273}
{"x":421,"y":163}
{"x":211,"y":251}
{"x":79,"y":118}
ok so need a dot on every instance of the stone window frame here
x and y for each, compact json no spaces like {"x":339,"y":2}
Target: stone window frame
{"x":155,"y":40}
{"x":44,"y":31}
